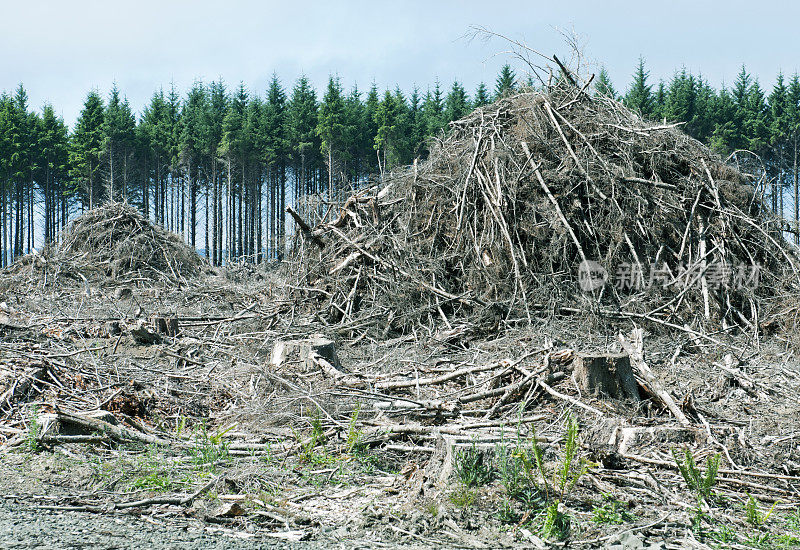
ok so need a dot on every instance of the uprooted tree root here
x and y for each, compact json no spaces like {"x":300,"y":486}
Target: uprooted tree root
{"x":493,"y":227}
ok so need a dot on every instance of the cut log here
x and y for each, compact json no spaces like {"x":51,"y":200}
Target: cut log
{"x":606,"y":375}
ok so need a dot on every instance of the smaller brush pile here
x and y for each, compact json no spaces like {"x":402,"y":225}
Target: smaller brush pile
{"x":546,"y":203}
{"x":111,"y":243}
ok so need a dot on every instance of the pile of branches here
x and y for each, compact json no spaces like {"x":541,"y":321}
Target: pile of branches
{"x":113,"y":242}
{"x":493,"y":228}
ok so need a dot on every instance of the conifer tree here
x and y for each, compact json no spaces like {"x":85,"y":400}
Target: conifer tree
{"x":603,"y":85}
{"x":433,"y":111}
{"x":86,"y":148}
{"x":481,"y":96}
{"x":52,"y":146}
{"x":277,"y":152}
{"x":506,"y":82}
{"x":330,"y":127}
{"x":386,"y":118}
{"x":118,"y":140}
{"x":302,"y":125}
{"x":640,"y":96}
{"x":457,"y":104}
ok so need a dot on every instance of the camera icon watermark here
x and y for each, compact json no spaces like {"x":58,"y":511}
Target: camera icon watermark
{"x":591,"y":275}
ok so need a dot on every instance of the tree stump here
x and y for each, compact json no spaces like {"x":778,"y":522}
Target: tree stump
{"x":606,"y":375}
{"x":167,"y":326}
{"x":307,"y":352}
{"x":320,"y":346}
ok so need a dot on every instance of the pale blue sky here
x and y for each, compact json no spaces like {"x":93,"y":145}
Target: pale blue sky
{"x":61,"y":49}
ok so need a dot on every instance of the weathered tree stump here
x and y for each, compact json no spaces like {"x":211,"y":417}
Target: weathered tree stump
{"x":166,"y":325}
{"x":319,"y":346}
{"x":606,"y":375}
{"x":307,"y":352}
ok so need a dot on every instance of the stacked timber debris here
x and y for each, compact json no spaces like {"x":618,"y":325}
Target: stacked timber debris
{"x":528,"y":207}
{"x":112,"y":243}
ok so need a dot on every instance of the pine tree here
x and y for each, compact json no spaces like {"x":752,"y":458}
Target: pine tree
{"x":726,"y":133}
{"x":603,"y":85}
{"x":506,"y":82}
{"x":370,"y":130}
{"x":702,"y":124}
{"x":433,"y":111}
{"x":660,"y":101}
{"x":118,"y":140}
{"x":417,"y":123}
{"x":386,"y":118}
{"x":404,"y":147}
{"x":214,"y":116}
{"x":481,"y":96}
{"x":681,"y":96}
{"x":640,"y":96}
{"x":330,"y":127}
{"x":277,"y":152}
{"x":155,"y":127}
{"x":457,"y":104}
{"x":778,"y":132}
{"x":232,"y":148}
{"x":302,"y":125}
{"x":193,"y":135}
{"x":793,"y":116}
{"x":53,"y":148}
{"x":87,"y":147}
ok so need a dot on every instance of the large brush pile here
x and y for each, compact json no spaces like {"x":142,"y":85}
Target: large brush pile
{"x":495,"y":225}
{"x":112,"y":243}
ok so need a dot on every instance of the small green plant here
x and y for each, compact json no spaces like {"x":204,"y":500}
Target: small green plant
{"x":308,"y":446}
{"x":699,"y":521}
{"x":527,"y":478}
{"x":556,"y":523}
{"x":432,"y":508}
{"x":210,"y":448}
{"x":354,"y":444}
{"x":34,"y":430}
{"x":507,"y":513}
{"x":725,"y":534}
{"x":153,"y":481}
{"x":180,"y":425}
{"x":569,"y":472}
{"x":472,"y":467}
{"x":462,"y":497}
{"x":698,"y":482}
{"x":793,"y":521}
{"x":754,"y":515}
{"x":611,"y":512}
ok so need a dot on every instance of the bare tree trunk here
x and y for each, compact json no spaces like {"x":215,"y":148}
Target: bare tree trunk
{"x":796,"y":196}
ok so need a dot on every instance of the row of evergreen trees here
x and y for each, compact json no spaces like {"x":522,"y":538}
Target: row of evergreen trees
{"x":226,"y":163}
{"x":214,"y":161}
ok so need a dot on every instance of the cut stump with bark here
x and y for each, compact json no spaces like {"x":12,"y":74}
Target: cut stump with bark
{"x":606,"y":375}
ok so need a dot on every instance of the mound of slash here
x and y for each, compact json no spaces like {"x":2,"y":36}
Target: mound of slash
{"x":565,"y":320}
{"x":111,"y":243}
{"x":524,"y":198}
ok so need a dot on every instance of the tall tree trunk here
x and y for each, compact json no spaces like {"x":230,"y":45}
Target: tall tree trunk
{"x":796,"y":195}
{"x":229,"y":244}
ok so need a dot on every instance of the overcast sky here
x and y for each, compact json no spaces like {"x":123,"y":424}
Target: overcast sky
{"x":61,"y":49}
